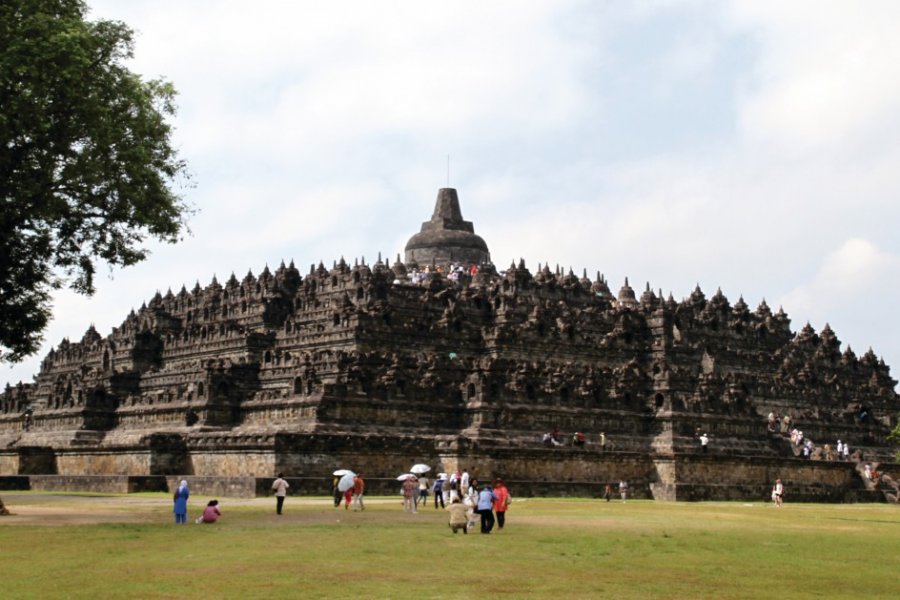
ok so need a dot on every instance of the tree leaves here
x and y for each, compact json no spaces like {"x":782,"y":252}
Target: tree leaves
{"x":87,"y":167}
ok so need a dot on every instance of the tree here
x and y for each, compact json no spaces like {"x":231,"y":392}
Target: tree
{"x":87,"y":166}
{"x":894,"y":436}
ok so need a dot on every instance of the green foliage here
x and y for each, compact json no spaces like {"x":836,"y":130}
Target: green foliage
{"x":86,"y":162}
{"x":894,"y":436}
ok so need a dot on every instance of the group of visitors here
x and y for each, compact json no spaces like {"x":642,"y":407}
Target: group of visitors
{"x":466,"y":498}
{"x":843,"y":450}
{"x":778,"y":424}
{"x":490,"y":500}
{"x":871,"y":473}
{"x":352,"y":495}
{"x":805,"y":446}
{"x":553,"y":439}
{"x":623,"y":491}
{"x":211,"y":512}
{"x":445,"y":488}
{"x":455,"y":272}
{"x":462,"y":496}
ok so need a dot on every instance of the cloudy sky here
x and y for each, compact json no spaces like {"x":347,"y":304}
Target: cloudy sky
{"x":747,"y":144}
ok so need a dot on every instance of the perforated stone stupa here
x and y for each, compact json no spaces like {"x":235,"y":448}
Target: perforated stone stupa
{"x":445,"y":360}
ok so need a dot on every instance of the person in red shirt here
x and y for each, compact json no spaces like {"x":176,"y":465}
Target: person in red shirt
{"x":502,"y":502}
{"x":359,"y":487}
{"x":211,"y":513}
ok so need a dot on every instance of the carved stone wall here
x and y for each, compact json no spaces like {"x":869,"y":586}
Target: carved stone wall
{"x":376,"y":366}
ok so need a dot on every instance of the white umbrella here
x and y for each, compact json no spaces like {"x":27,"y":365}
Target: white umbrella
{"x":341,"y":472}
{"x":346,"y":481}
{"x":442,"y":476}
{"x":419,"y":469}
{"x":405,"y":476}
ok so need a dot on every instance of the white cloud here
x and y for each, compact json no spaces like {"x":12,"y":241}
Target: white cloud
{"x":321,"y":129}
{"x":851,"y":281}
{"x":848,"y":276}
{"x":826,"y":75}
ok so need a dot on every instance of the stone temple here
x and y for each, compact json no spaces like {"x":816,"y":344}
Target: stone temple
{"x":443,"y":359}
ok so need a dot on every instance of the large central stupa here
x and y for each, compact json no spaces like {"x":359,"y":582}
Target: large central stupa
{"x":446,"y":238}
{"x":379,"y":366}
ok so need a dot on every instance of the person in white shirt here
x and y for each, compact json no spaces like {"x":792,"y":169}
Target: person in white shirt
{"x":280,"y":487}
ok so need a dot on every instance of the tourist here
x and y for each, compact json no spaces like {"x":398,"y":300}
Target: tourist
{"x":554,"y":438}
{"x":454,"y":485}
{"x":486,"y":499}
{"x":602,"y":441}
{"x":438,"y":491}
{"x":280,"y":487}
{"x":458,"y":518}
{"x":623,"y":490}
{"x":180,"y":499}
{"x":211,"y":513}
{"x":840,"y":450}
{"x":359,"y":486}
{"x":471,"y":502}
{"x":608,"y":491}
{"x":846,"y":450}
{"x":704,"y":442}
{"x":336,"y":491}
{"x":409,"y":494}
{"x":578,"y":439}
{"x":464,"y":483}
{"x":502,"y":502}
{"x":778,"y":493}
{"x":423,"y":491}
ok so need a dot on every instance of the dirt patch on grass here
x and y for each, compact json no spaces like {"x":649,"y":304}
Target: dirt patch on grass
{"x":72,"y":509}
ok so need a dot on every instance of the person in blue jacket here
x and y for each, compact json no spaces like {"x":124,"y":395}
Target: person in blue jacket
{"x":438,"y":490}
{"x":486,"y":499}
{"x":181,"y":498}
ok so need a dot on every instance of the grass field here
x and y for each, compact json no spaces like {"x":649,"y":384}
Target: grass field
{"x":80,"y":546}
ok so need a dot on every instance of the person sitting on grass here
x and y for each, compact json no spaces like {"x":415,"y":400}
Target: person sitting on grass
{"x":211,"y":513}
{"x":458,"y":517}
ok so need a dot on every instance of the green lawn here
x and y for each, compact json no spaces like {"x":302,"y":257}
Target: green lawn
{"x":74,"y":546}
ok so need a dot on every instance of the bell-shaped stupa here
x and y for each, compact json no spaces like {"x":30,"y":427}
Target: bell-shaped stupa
{"x":447,"y":237}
